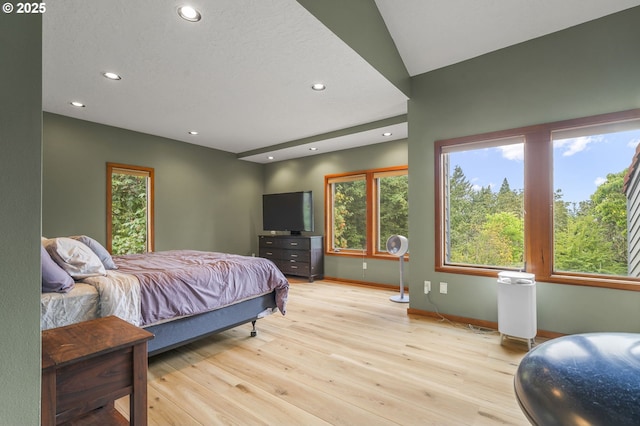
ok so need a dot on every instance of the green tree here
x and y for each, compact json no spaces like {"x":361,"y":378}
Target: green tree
{"x":499,"y":242}
{"x":486,"y":228}
{"x":349,"y":214}
{"x":594,"y":237}
{"x":610,"y":209}
{"x":129,"y":214}
{"x":508,"y":200}
{"x":460,"y":208}
{"x":394,"y":208}
{"x":583,"y":247}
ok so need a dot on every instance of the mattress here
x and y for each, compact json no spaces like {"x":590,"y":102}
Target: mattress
{"x":60,"y":309}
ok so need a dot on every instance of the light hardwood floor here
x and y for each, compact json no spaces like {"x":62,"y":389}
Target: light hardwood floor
{"x":343,"y":355}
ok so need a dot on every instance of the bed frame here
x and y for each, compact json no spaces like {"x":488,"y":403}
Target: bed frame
{"x":169,"y":335}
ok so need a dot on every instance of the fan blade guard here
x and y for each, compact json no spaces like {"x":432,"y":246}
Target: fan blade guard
{"x":397,"y":245}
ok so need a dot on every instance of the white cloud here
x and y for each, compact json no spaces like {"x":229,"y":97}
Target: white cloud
{"x":477,"y":187}
{"x":513,"y":151}
{"x":573,"y":146}
{"x":599,"y":181}
{"x":633,"y":143}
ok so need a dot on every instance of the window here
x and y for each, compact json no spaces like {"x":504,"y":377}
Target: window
{"x":484,"y":203}
{"x":363,"y":209}
{"x":391,"y":206}
{"x":595,"y":196}
{"x":560,"y":200}
{"x":129,"y":209}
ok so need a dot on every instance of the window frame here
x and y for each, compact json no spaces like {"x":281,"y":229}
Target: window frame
{"x":538,"y":198}
{"x":372,"y":191}
{"x":138,"y":171}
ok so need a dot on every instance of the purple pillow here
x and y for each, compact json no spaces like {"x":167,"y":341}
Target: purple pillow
{"x":54,"y":278}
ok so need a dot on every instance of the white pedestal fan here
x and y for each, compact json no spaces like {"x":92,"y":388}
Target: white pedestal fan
{"x":398,"y":245}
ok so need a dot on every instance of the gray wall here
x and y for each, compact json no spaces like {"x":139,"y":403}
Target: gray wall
{"x":20,"y":189}
{"x":204,"y":199}
{"x":308,"y":174}
{"x":589,"y":69}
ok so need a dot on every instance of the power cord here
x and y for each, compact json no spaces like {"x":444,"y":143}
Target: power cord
{"x":470,"y":327}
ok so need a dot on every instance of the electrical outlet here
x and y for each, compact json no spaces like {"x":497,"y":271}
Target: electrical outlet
{"x":364,"y":265}
{"x":443,"y":288}
{"x":427,"y":287}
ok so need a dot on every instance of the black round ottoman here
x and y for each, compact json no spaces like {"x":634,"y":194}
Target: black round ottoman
{"x":583,"y":379}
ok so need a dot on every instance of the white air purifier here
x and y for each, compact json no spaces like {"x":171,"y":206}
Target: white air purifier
{"x":517,"y":306}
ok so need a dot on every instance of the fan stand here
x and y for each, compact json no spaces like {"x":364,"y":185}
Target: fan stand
{"x":401,"y":298}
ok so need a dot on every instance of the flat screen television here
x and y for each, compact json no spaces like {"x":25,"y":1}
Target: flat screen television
{"x":288,"y":211}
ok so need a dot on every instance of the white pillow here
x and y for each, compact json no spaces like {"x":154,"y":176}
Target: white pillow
{"x":97,"y":248}
{"x":74,"y":257}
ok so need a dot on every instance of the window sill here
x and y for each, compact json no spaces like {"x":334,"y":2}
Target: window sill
{"x":557,"y":278}
{"x":360,"y":255}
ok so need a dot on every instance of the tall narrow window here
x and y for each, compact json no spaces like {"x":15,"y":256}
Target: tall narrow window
{"x":392,"y":206}
{"x":348,"y":213}
{"x":129,"y":209}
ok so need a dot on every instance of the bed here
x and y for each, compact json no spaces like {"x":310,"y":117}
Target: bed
{"x":178,"y":295}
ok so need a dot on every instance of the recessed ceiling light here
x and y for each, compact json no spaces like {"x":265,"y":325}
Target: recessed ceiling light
{"x":189,"y":13}
{"x":270,"y":157}
{"x":193,"y":132}
{"x":387,"y":134}
{"x":77,"y":104}
{"x":318,"y":87}
{"x":313,"y":148}
{"x":112,"y":76}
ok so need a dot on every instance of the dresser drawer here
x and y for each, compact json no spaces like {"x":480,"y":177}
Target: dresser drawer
{"x":285,"y":243}
{"x":293,"y":267}
{"x":268,"y":242}
{"x":295,"y":255}
{"x":295,"y":243}
{"x":270,"y":253}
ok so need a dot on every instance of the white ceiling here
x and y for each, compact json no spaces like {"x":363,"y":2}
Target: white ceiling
{"x":241,"y":76}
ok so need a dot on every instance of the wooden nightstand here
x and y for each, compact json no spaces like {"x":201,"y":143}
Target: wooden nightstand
{"x":87,"y":366}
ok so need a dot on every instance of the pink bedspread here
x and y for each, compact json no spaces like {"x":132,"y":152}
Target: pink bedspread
{"x":188,"y":282}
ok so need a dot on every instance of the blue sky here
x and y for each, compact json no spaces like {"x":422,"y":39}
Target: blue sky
{"x":580,"y":164}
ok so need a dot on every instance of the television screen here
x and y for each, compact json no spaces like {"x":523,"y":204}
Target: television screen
{"x":288,"y":211}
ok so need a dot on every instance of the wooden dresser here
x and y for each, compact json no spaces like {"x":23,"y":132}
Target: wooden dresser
{"x":87,"y":366}
{"x":298,"y":255}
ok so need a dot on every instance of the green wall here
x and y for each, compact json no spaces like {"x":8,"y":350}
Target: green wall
{"x":308,"y":174}
{"x":20,"y":186}
{"x":359,"y":24}
{"x":585,"y":70}
{"x":205,"y":199}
